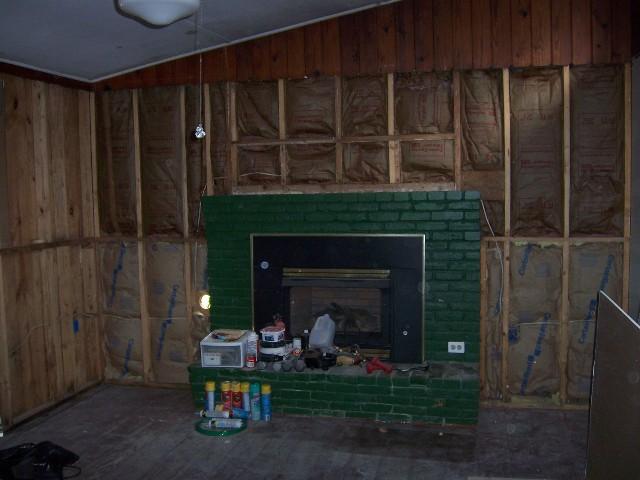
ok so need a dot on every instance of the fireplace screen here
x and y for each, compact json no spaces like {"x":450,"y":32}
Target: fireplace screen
{"x":355,"y":299}
{"x":370,"y":285}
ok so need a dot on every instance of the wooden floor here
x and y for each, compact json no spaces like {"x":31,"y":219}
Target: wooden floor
{"x":135,"y":432}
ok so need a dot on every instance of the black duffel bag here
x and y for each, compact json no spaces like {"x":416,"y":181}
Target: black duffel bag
{"x":43,"y":461}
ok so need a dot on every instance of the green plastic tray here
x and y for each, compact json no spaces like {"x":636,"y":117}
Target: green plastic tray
{"x":202,"y":426}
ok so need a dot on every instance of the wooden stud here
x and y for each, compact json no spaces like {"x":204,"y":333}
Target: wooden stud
{"x":282,"y":131}
{"x":564,"y":303}
{"x":6,"y":390}
{"x":484,"y":292}
{"x":233,"y":128}
{"x":457,"y":159}
{"x":507,"y":231}
{"x":338,"y":114}
{"x":393,"y":145}
{"x":145,"y":322}
{"x":99,"y":331}
{"x":186,"y":230}
{"x":627,"y":187}
{"x":207,"y":139}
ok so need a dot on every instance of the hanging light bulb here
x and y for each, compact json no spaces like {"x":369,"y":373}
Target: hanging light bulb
{"x":199,"y":132}
{"x":159,"y":12}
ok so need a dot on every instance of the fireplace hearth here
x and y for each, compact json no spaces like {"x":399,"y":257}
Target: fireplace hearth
{"x":370,"y":285}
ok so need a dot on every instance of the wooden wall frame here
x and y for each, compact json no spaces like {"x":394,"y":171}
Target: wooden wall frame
{"x":502,"y":242}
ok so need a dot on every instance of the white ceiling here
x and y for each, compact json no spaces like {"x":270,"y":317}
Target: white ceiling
{"x":89,"y":40}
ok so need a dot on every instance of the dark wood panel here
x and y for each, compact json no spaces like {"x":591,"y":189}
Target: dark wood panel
{"x":417,"y":35}
{"x":313,"y":49}
{"x":541,"y":32}
{"x":424,"y":34}
{"x":350,"y":51}
{"x":481,"y":33}
{"x":260,"y":65}
{"x":581,"y":31}
{"x":295,"y":53}
{"x":43,"y":77}
{"x":386,"y":38}
{"x":243,"y":62}
{"x":501,"y":32}
{"x":462,"y":38}
{"x":367,"y":24}
{"x":331,"y":47}
{"x":601,"y":31}
{"x":521,"y":33}
{"x":561,"y":33}
{"x":621,"y":30}
{"x":278,"y":55}
{"x":443,"y":34}
{"x":405,"y":46}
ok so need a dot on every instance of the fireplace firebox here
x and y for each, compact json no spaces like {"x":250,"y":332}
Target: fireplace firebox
{"x":371,"y":285}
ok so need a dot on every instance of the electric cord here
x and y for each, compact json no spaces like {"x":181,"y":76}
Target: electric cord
{"x":500,"y":257}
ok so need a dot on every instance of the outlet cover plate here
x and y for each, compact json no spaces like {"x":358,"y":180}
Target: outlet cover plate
{"x":456,"y":347}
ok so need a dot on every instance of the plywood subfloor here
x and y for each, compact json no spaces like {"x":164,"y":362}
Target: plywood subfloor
{"x":137,"y":432}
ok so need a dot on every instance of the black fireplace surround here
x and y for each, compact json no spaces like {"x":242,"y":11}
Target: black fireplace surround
{"x":386,"y":270}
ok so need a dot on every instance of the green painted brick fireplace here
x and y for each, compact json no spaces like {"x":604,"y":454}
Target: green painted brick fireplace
{"x":450,"y":222}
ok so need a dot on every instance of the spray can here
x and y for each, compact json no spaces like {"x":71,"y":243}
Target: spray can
{"x":236,"y":395}
{"x":227,"y":395}
{"x":246,"y":398}
{"x":255,"y":401}
{"x":210,"y":388}
{"x":266,"y":403}
{"x":252,"y":350}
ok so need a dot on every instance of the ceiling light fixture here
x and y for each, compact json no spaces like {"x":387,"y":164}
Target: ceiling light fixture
{"x":159,"y":12}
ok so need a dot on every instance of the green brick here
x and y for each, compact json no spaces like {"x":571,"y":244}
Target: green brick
{"x":436,"y":196}
{"x":396,"y":206}
{"x":429,"y":206}
{"x":393,"y":417}
{"x":376,"y":407}
{"x":384,"y":216}
{"x":413,"y":216}
{"x":365,"y":207}
{"x":472,"y":195}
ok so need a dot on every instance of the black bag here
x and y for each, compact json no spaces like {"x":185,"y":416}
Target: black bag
{"x":43,"y":461}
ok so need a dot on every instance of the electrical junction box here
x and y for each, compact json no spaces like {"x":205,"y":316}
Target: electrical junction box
{"x":224,"y":349}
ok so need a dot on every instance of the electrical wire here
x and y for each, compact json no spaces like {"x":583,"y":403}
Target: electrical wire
{"x":500,"y":257}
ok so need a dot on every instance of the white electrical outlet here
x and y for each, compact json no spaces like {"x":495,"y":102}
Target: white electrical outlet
{"x":456,"y":347}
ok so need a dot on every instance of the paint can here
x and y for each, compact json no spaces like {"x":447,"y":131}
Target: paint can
{"x":255,"y":401}
{"x":265,"y":403}
{"x":210,"y":388}
{"x":227,"y":399}
{"x":246,"y":398}
{"x":236,"y":395}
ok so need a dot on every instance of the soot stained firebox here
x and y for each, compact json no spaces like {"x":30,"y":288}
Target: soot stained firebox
{"x":370,"y":285}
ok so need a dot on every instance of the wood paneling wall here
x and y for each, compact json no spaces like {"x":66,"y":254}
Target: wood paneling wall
{"x":50,"y":340}
{"x":418,"y":35}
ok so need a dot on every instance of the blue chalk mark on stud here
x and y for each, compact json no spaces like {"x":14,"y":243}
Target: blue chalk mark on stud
{"x":127,"y":357}
{"x":168,"y":321}
{"x":114,"y":275}
{"x":76,"y":326}
{"x":593,"y":303}
{"x":537,"y":351}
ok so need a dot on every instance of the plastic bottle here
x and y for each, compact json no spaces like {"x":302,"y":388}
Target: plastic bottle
{"x":236,"y":395}
{"x":255,"y":401}
{"x":228,"y":423}
{"x":305,"y":339}
{"x":226,"y":395}
{"x":210,"y":388}
{"x":246,"y":398}
{"x":252,"y":350}
{"x":266,"y":403}
{"x":240,"y":413}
